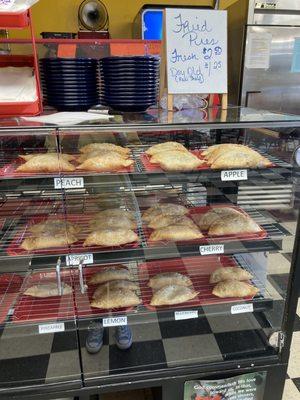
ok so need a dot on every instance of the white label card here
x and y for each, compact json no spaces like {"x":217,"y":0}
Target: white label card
{"x":72,"y":182}
{"x":234,"y":175}
{"x":242,"y":308}
{"x":180,"y":315}
{"x":114,"y":321}
{"x":211,"y":249}
{"x":196,"y":50}
{"x":258,"y":50}
{"x":74,"y":259}
{"x":51,"y":328}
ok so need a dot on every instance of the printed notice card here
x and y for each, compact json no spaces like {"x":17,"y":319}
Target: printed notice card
{"x":243,"y":387}
{"x":196,"y":50}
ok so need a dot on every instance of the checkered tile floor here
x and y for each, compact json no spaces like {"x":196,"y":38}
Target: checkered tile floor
{"x":292,"y":384}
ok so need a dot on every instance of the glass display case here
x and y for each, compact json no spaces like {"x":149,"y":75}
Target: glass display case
{"x":200,"y":244}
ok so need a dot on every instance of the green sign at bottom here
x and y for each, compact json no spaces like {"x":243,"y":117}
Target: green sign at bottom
{"x":241,"y":387}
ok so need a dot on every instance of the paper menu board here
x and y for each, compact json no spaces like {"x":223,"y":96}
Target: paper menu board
{"x":196,"y":50}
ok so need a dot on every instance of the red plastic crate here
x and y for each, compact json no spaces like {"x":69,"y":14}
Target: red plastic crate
{"x":15,"y":109}
{"x":19,"y":20}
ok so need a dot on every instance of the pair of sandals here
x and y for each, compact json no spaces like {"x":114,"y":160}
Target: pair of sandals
{"x":94,"y":340}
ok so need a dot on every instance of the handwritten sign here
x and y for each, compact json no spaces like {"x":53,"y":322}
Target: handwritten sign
{"x":196,"y":50}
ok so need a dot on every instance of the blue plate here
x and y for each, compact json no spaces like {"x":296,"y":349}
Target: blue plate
{"x":69,"y":61}
{"x":129,"y":82}
{"x":130,"y":58}
{"x":135,"y":91}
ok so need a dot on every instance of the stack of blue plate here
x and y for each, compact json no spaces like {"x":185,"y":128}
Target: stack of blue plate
{"x":70,"y":84}
{"x":129,"y":83}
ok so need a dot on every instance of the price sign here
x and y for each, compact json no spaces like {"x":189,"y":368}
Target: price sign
{"x":211,"y":249}
{"x":196,"y":50}
{"x":187,"y":314}
{"x":52,"y":328}
{"x":74,"y":259}
{"x":114,"y":321}
{"x":69,"y":183}
{"x":242,"y":308}
{"x":234,"y":175}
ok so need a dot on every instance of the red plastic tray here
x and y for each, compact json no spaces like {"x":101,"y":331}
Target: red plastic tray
{"x":14,"y":248}
{"x":239,"y":236}
{"x":208,"y":239}
{"x":198,"y":269}
{"x":10,"y":109}
{"x":83,"y":301}
{"x":30,"y":309}
{"x":14,"y":20}
{"x":149,"y":167}
{"x":9,"y":170}
{"x":10,"y":285}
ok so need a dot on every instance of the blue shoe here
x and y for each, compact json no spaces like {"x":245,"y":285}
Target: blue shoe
{"x":94,"y":340}
{"x":123,"y":337}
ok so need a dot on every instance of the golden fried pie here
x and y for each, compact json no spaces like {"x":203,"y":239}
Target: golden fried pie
{"x":47,"y":240}
{"x":169,"y":278}
{"x":27,"y":157}
{"x":47,"y":162}
{"x":177,"y":161}
{"x":116,"y":298}
{"x":105,"y":163}
{"x":166,"y":146}
{"x":47,"y":290}
{"x":204,"y":221}
{"x":109,"y":287}
{"x":165,"y":220}
{"x":115,"y":212}
{"x":233,"y":288}
{"x":233,"y":159}
{"x":95,"y":153}
{"x":113,"y":273}
{"x":54,"y":226}
{"x":172,"y":294}
{"x":111,"y":237}
{"x":230,"y":273}
{"x":164,"y":209}
{"x":231,"y":155}
{"x":233,"y":225}
{"x":104,"y":146}
{"x":176,"y":233}
{"x":113,"y":222}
